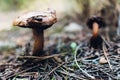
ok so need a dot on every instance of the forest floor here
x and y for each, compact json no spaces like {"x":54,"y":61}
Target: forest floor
{"x":64,"y":58}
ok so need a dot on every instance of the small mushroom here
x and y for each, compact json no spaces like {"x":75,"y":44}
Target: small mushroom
{"x":38,"y":22}
{"x":94,"y":23}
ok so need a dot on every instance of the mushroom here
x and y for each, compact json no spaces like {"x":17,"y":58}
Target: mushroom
{"x":38,"y":22}
{"x":94,"y":23}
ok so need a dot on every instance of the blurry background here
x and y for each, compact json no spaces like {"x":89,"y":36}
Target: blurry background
{"x":68,"y":11}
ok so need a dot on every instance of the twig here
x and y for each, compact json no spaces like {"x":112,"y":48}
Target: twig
{"x":70,"y":69}
{"x":106,"y":42}
{"x":54,"y":69}
{"x":58,"y":59}
{"x":88,"y":75}
{"x":9,"y":64}
{"x":105,"y":54}
{"x":40,"y":58}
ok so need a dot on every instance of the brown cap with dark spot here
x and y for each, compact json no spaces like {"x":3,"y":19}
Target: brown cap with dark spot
{"x":41,"y":20}
{"x":96,"y":19}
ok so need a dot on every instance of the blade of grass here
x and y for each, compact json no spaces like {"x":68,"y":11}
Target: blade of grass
{"x":84,"y":72}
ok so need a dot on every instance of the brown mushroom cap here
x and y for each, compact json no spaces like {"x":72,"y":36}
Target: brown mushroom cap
{"x":96,"y":19}
{"x":41,"y":20}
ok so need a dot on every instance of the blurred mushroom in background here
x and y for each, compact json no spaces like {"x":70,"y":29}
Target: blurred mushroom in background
{"x":95,"y":23}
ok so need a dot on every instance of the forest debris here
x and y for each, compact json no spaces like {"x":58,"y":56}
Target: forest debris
{"x":107,"y":74}
{"x":55,"y":68}
{"x":12,"y":75}
{"x":84,"y":61}
{"x":72,"y":75}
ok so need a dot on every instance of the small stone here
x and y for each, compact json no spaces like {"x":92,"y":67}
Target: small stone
{"x":102,"y":60}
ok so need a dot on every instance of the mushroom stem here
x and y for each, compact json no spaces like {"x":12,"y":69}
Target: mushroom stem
{"x":38,"y":36}
{"x":95,"y":29}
